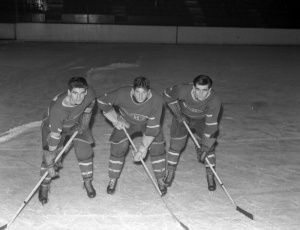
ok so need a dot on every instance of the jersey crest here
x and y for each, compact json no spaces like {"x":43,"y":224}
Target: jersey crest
{"x":193,"y":109}
{"x":135,"y":116}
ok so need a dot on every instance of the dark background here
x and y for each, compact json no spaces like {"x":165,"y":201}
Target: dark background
{"x":205,"y":13}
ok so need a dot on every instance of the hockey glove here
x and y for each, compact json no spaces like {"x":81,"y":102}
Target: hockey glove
{"x":206,"y":147}
{"x":84,"y":123}
{"x":140,"y":153}
{"x":121,"y":123}
{"x":179,"y":116}
{"x":48,"y":158}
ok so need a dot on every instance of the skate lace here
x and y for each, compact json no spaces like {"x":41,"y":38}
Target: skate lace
{"x":45,"y":189}
{"x":112,"y":183}
{"x":211,"y":179}
{"x":170,"y":174}
{"x":88,"y":185}
{"x":160,"y":183}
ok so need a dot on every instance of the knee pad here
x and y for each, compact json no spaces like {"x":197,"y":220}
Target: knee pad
{"x":85,"y":137}
{"x":157,"y":149}
{"x":119,"y":149}
{"x":178,"y":143}
{"x":83,"y":150}
{"x":212,"y":159}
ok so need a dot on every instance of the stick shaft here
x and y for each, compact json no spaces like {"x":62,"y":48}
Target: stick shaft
{"x":216,"y":175}
{"x":41,"y":180}
{"x":156,"y":186}
{"x":207,"y":161}
{"x":149,"y":174}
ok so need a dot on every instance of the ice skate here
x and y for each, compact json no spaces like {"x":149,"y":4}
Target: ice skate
{"x":43,"y":193}
{"x":162,"y":186}
{"x":112,"y":186}
{"x":91,"y":192}
{"x":168,"y":180}
{"x":211,"y":183}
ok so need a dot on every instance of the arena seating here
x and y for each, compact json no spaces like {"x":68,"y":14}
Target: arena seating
{"x":209,"y":13}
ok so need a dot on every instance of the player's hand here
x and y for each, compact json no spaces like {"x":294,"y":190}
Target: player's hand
{"x":121,"y":123}
{"x":48,"y":158}
{"x":181,"y":118}
{"x":202,"y":153}
{"x":75,"y":128}
{"x":140,"y":153}
{"x":206,"y":146}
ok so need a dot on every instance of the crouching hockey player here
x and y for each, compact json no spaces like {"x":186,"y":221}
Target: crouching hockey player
{"x":198,"y":105}
{"x":68,"y":112}
{"x":140,"y":110}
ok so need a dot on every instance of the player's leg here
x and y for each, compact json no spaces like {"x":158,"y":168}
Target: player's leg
{"x":178,"y":136}
{"x":158,"y":159}
{"x":118,"y":148}
{"x":209,"y":174}
{"x":84,"y":154}
{"x":199,"y":127}
{"x":45,"y":185}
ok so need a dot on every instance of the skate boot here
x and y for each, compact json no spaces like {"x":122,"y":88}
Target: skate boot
{"x":211,"y":182}
{"x":112,"y":186}
{"x":169,"y":178}
{"x":91,"y":192}
{"x":43,"y":193}
{"x":162,"y":186}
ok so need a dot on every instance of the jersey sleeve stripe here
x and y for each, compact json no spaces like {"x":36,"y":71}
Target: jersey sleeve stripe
{"x":174,"y":102}
{"x":55,"y":136}
{"x":153,"y":126}
{"x":167,"y":95}
{"x":88,"y":110}
{"x":101,"y":102}
{"x":214,"y":123}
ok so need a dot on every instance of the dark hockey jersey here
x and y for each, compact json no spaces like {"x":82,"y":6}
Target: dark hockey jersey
{"x":58,"y":116}
{"x":149,"y":112}
{"x":207,"y":109}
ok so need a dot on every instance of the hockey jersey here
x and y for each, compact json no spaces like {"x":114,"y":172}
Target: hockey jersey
{"x":59,"y":117}
{"x":207,"y":109}
{"x":148,"y":112}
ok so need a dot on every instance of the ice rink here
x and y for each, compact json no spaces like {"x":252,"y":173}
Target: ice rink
{"x":258,"y":146}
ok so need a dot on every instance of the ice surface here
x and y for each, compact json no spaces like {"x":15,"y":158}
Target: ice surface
{"x":257,"y":155}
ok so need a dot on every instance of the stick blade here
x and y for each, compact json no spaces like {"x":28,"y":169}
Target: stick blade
{"x":3,"y":227}
{"x":249,"y":215}
{"x":185,"y":227}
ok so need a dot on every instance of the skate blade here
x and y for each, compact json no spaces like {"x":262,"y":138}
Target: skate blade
{"x":212,"y":193}
{"x":44,"y":202}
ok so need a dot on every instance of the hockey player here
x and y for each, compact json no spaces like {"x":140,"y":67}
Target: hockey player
{"x":68,"y":112}
{"x":198,"y":105}
{"x":140,"y":110}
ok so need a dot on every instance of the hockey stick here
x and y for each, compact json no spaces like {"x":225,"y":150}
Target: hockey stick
{"x":149,"y":174}
{"x":38,"y":184}
{"x":249,"y":215}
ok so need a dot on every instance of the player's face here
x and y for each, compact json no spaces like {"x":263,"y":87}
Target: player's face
{"x":201,"y":92}
{"x":141,"y":94}
{"x":77,"y":95}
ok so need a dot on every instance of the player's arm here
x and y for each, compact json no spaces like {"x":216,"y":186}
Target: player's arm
{"x":171,"y":96}
{"x":50,"y":151}
{"x":55,"y":125}
{"x":152,"y":130}
{"x":86,"y":118}
{"x":211,"y":121}
{"x":211,"y":127}
{"x":105,"y":103}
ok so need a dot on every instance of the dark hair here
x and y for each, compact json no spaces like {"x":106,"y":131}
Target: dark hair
{"x":203,"y":80}
{"x":77,"y":82}
{"x":141,"y":82}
